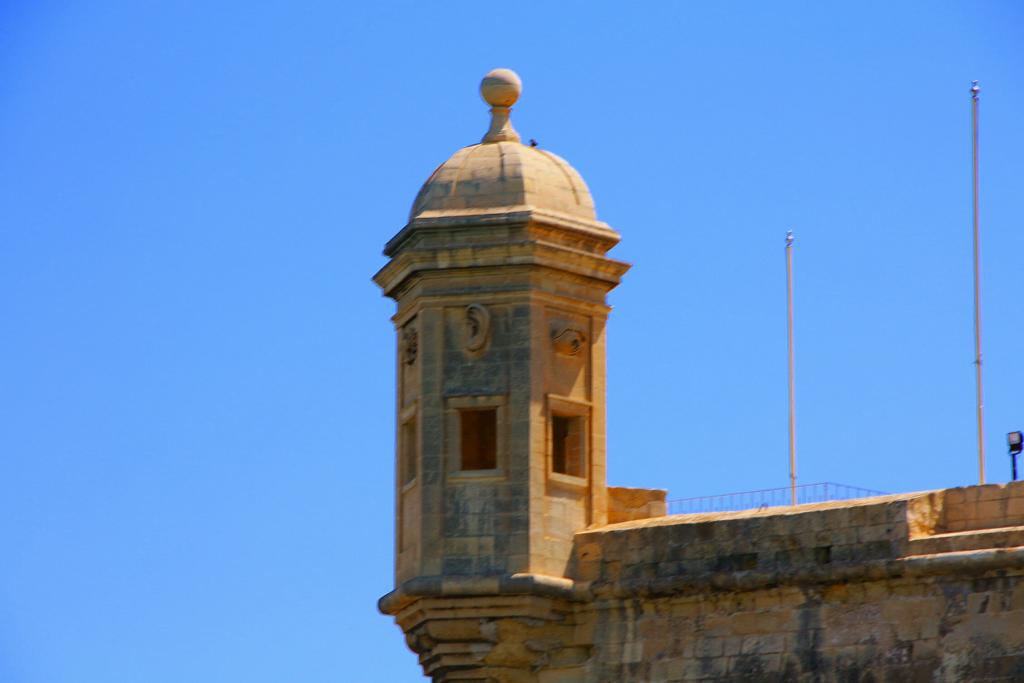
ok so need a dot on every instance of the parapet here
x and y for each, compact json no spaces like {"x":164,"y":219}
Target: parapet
{"x":877,"y":537}
{"x":629,"y":504}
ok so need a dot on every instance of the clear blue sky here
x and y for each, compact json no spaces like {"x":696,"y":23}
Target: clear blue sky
{"x":196,"y":372}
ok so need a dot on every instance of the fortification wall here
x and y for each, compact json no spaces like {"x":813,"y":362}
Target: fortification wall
{"x":919,"y":587}
{"x":913,"y":628}
{"x":916,"y":587}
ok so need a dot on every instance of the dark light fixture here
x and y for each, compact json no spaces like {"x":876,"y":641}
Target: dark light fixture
{"x":1016,"y":442}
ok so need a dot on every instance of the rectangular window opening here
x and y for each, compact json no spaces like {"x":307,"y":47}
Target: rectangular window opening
{"x":479,"y":438}
{"x":567,"y":445}
{"x":409,"y":451}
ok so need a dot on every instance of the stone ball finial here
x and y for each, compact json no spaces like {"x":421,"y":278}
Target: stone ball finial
{"x":501,"y":87}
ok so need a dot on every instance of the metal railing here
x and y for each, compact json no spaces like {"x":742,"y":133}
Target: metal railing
{"x":766,"y":498}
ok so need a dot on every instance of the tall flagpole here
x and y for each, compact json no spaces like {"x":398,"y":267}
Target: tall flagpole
{"x":789,"y":337}
{"x":977,"y":289}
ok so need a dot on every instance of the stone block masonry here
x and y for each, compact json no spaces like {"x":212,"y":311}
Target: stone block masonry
{"x":872,"y":590}
{"x":515,"y":562}
{"x":877,"y":589}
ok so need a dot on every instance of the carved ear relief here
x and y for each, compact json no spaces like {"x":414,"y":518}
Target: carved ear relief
{"x":478,"y":327}
{"x":568,"y":341}
{"x":410,"y":344}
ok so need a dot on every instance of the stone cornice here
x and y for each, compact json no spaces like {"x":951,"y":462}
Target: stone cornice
{"x":497,"y":254}
{"x":519,"y":215}
{"x":964,"y":563}
{"x":470,"y":586}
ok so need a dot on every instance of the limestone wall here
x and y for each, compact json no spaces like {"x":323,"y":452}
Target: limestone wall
{"x":891,"y":588}
{"x":904,"y":629}
{"x":629,"y":504}
{"x":916,"y":587}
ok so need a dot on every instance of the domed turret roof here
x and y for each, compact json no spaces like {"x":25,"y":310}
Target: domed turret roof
{"x":503,"y":205}
{"x":501,"y":174}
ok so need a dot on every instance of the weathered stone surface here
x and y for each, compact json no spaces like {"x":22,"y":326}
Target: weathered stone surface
{"x":629,"y":504}
{"x":501,"y":277}
{"x":528,"y":571}
{"x":863,"y":614}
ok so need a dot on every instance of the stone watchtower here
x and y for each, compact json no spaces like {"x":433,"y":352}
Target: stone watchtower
{"x":516,"y":563}
{"x":500,"y":277}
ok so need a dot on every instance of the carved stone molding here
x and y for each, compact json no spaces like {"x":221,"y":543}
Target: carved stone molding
{"x":568,"y":341}
{"x":494,"y":639}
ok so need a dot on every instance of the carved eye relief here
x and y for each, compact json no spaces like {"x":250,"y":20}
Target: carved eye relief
{"x":478,"y":326}
{"x":568,"y":342}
